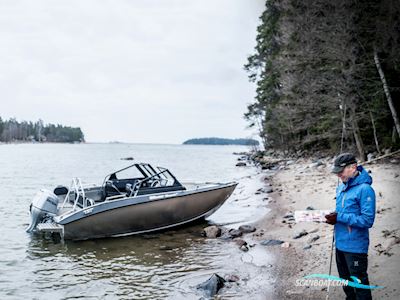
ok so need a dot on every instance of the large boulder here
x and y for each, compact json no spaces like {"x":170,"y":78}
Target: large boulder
{"x":234,"y":233}
{"x":247,"y":228}
{"x":212,"y":285}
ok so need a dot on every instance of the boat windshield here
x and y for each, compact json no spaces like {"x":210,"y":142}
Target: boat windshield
{"x":138,"y":179}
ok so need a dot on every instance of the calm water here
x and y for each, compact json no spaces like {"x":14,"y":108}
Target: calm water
{"x":157,"y":266}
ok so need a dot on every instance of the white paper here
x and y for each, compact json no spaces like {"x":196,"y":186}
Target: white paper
{"x":311,"y":215}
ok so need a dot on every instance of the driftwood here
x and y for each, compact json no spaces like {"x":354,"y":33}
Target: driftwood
{"x":380,"y":157}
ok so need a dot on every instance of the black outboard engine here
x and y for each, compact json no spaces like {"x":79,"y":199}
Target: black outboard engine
{"x":44,"y":205}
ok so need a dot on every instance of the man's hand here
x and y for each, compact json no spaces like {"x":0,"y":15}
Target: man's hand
{"x":331,"y":218}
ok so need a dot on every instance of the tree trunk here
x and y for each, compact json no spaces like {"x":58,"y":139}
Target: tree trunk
{"x":357,"y":136}
{"x":374,"y":129}
{"x":387,"y":92}
{"x":343,"y":113}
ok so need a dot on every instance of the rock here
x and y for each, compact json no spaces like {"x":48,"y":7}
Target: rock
{"x":235,"y":233}
{"x":396,"y":175}
{"x":370,"y":156}
{"x":247,"y":228}
{"x":127,"y":158}
{"x":212,"y":232}
{"x":307,"y":247}
{"x":316,"y":164}
{"x":241,"y":164}
{"x":285,"y":245}
{"x":290,"y":162}
{"x":244,"y":248}
{"x":271,"y":242}
{"x":313,"y":238}
{"x":232,"y":278}
{"x":240,"y":242}
{"x":242,"y":158}
{"x":310,"y":208}
{"x":165,"y":248}
{"x":212,"y":285}
{"x":300,"y":234}
{"x":266,"y":190}
{"x":314,"y":230}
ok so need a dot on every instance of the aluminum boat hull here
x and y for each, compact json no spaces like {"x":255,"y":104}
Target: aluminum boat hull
{"x":148,"y":213}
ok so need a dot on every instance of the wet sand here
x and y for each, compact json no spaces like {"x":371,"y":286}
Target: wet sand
{"x":301,"y":184}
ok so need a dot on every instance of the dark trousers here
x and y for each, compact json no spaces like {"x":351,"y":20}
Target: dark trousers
{"x":353,"y":264}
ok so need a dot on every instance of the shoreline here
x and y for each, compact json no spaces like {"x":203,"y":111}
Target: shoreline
{"x":302,"y":183}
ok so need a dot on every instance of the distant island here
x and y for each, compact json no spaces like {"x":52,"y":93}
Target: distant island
{"x":13,"y":131}
{"x":221,"y":141}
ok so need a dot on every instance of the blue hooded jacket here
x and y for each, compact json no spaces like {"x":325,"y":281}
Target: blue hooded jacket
{"x":355,"y":207}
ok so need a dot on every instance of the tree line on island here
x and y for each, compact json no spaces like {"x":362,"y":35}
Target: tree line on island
{"x":221,"y":141}
{"x":13,"y":131}
{"x":327,"y":72}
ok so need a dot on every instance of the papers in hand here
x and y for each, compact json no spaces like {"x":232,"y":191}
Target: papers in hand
{"x":310,"y":215}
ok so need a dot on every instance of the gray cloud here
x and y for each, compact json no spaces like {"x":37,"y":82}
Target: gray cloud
{"x":137,"y":71}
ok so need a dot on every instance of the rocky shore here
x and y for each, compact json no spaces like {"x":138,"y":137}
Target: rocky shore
{"x":300,"y":249}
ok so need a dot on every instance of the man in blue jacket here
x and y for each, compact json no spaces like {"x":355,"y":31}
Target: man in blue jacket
{"x":354,"y":215}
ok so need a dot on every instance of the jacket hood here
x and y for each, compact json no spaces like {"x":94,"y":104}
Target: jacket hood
{"x":363,"y":177}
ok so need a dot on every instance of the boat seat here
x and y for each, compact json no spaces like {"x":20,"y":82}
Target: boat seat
{"x":60,"y":190}
{"x":120,"y":184}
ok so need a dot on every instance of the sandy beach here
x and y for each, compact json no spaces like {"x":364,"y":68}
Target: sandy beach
{"x":301,"y":184}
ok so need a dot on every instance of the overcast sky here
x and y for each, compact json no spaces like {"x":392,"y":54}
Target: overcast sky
{"x":144,"y":71}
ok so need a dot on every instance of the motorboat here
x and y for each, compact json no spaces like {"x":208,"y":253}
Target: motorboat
{"x":145,"y":200}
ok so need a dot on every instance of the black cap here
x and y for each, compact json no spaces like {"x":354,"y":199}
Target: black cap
{"x":343,"y":160}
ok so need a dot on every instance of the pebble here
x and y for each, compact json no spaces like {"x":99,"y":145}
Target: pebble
{"x":288,"y":215}
{"x":313,"y":238}
{"x":232,"y":278}
{"x":271,"y":242}
{"x":285,"y":245}
{"x":240,"y":242}
{"x":244,"y":248}
{"x":300,"y":234}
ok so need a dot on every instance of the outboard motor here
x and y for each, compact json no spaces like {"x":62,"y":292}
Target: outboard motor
{"x":44,"y":205}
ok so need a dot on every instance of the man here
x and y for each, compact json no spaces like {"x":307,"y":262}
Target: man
{"x":354,"y":215}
